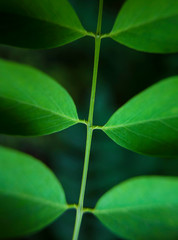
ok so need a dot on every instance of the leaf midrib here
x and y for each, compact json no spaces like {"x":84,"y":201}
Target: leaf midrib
{"x":137,"y":123}
{"x":139,"y":25}
{"x":33,"y":199}
{"x":41,"y":108}
{"x":123,"y":208}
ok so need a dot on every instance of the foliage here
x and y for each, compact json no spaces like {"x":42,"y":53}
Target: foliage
{"x":29,"y":203}
{"x":147,"y":123}
{"x":36,"y":103}
{"x":150,"y":26}
{"x":33,"y":104}
{"x":39,"y":24}
{"x":141,"y":202}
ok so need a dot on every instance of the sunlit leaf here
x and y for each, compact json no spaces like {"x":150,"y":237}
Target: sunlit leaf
{"x":31,"y":103}
{"x":141,"y":208}
{"x":148,"y":123}
{"x":38,"y":24}
{"x":30,"y":195}
{"x":149,"y":26}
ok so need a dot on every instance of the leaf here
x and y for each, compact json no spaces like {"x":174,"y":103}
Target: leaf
{"x":141,"y":208}
{"x":38,"y":24}
{"x":148,"y":123}
{"x":149,"y":26}
{"x":31,"y":103}
{"x":30,"y":195}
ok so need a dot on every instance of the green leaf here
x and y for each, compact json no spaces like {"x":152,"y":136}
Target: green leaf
{"x":149,"y":26}
{"x":148,"y":123}
{"x":30,"y":195}
{"x":38,"y":23}
{"x":142,"y":208}
{"x":31,"y":103}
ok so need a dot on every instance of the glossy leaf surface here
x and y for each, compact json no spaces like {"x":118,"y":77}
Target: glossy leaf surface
{"x":148,"y":123}
{"x":38,"y":24}
{"x":149,"y":26}
{"x":30,"y":195}
{"x":31,"y":103}
{"x":141,"y":208}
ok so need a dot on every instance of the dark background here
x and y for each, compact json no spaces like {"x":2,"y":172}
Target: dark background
{"x":123,"y":73}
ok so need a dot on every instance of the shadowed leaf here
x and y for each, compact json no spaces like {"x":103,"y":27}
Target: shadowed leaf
{"x":38,"y":24}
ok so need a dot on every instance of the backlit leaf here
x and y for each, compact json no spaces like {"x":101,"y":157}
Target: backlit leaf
{"x":141,"y":208}
{"x":148,"y":123}
{"x":30,"y":195}
{"x":149,"y":26}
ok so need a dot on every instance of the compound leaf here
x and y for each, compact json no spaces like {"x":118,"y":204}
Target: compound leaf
{"x":148,"y":123}
{"x":141,"y":208}
{"x":38,"y":24}
{"x":30,"y":195}
{"x":31,"y":103}
{"x":149,"y":26}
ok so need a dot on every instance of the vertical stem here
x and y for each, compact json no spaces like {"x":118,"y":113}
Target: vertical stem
{"x":98,"y":31}
{"x":79,"y":213}
{"x":94,"y":82}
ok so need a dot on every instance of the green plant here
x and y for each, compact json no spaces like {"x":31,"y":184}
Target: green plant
{"x":32,"y":104}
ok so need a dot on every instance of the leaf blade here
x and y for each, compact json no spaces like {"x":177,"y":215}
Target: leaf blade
{"x":38,"y":25}
{"x":148,"y":26}
{"x":32,"y":103}
{"x":148,"y":123}
{"x":27,"y":202}
{"x":149,"y":202}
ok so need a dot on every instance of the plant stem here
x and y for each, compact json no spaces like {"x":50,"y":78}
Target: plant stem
{"x":80,"y":209}
{"x":94,"y":82}
{"x":79,"y":213}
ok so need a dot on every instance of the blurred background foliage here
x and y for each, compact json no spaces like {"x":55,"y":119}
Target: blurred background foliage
{"x":123,"y":73}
